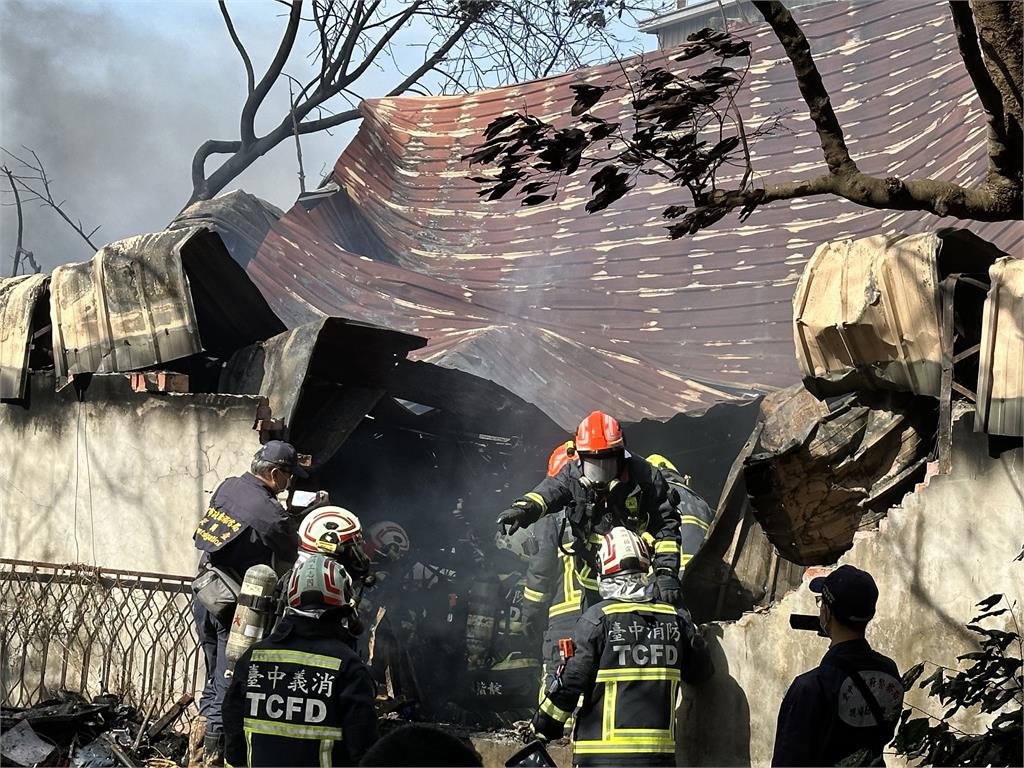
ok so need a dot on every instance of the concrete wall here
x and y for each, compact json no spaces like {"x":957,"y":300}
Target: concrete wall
{"x":949,"y":546}
{"x":120,"y":479}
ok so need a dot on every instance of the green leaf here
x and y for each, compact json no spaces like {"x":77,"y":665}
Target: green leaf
{"x":911,"y":675}
{"x":989,"y":601}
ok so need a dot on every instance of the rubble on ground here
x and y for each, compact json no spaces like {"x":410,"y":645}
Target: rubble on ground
{"x":102,"y":733}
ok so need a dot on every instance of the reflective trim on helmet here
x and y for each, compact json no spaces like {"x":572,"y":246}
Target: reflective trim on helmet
{"x":290,"y":730}
{"x":549,"y":709}
{"x":297,"y":657}
{"x":692,"y":520}
{"x":666,"y":547}
{"x":624,"y":674}
{"x":533,"y":595}
{"x":538,"y":499}
{"x":638,"y":608}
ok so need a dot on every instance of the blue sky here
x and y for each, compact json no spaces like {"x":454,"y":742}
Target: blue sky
{"x":116,"y":96}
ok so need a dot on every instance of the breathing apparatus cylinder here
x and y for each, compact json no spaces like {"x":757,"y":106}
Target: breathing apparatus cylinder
{"x":482,"y":608}
{"x":252,"y":614}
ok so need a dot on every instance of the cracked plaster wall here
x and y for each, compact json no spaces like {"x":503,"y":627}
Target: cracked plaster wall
{"x":948,"y":546}
{"x":120,"y":479}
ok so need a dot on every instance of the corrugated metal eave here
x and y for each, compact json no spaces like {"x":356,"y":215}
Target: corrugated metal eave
{"x":18,"y":298}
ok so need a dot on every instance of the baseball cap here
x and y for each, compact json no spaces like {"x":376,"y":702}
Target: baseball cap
{"x":849,"y":592}
{"x":284,"y":455}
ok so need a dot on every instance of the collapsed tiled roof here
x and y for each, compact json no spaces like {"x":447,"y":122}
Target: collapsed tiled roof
{"x":574,"y":311}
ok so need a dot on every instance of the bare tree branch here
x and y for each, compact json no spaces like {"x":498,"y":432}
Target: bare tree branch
{"x":247,"y":125}
{"x":298,"y":143}
{"x":250,"y":77}
{"x":44,"y":195}
{"x":21,"y":222}
{"x":967,"y":40}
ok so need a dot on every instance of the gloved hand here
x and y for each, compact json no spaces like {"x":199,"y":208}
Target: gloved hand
{"x":522,"y":513}
{"x":545,"y":727}
{"x":669,"y":587}
{"x":534,"y":617}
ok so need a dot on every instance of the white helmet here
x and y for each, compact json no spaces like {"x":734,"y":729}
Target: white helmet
{"x":622,"y":551}
{"x":387,"y":539}
{"x":319,"y":584}
{"x":522,"y":543}
{"x":328,"y":529}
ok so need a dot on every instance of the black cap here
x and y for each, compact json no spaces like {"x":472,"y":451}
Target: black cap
{"x":849,"y":592}
{"x":283,"y":455}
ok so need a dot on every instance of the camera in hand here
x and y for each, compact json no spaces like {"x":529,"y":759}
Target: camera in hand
{"x":806,"y":622}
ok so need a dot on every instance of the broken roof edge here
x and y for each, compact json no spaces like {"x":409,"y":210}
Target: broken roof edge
{"x":18,"y":299}
{"x":153,"y":298}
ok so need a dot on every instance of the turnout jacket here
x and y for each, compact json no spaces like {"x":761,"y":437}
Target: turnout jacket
{"x":245,"y":526}
{"x":695,"y":516}
{"x":551,"y":578}
{"x":640,"y":502}
{"x":630,"y":658}
{"x":301,"y":697}
{"x":824,"y":718}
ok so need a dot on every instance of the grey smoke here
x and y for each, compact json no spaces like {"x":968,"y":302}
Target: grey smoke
{"x":115,"y":98}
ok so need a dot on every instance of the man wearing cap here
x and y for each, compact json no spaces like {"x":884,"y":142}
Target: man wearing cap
{"x":245,"y":525}
{"x":851,"y":702}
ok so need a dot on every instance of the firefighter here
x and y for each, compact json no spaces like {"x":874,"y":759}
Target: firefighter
{"x":629,"y":655}
{"x":695,"y":516}
{"x":302,"y":696}
{"x":245,"y":525}
{"x":606,"y":487}
{"x":553,"y":593}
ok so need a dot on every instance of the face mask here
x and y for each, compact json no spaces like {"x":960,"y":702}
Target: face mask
{"x":600,"y":471}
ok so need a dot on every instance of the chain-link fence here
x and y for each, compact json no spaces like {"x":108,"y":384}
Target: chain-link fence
{"x":95,"y":630}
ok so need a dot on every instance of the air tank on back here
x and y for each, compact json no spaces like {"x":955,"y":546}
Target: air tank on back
{"x":252,"y":614}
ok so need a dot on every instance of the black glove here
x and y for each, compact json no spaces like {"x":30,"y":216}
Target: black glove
{"x":545,"y":727}
{"x":522,"y":513}
{"x":669,"y":587}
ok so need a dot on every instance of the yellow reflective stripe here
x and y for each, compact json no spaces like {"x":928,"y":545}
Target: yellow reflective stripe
{"x":684,"y":559}
{"x":248,"y":747}
{"x":585,"y":581}
{"x":296,"y":657}
{"x":691,"y":520}
{"x":570,"y":592}
{"x":596,"y":538}
{"x":551,"y":710}
{"x":290,"y":730}
{"x":608,"y":715}
{"x":648,"y":537}
{"x":616,"y":744}
{"x":638,"y":608}
{"x":533,"y":595}
{"x":669,"y":547}
{"x":637,"y":673}
{"x":539,"y":499}
{"x":563,"y":608}
{"x":326,"y":750}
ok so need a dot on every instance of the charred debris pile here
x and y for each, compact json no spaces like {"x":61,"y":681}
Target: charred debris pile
{"x":102,"y":733}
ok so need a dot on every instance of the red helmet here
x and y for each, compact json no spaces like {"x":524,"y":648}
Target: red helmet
{"x":561,"y":456}
{"x":599,"y":433}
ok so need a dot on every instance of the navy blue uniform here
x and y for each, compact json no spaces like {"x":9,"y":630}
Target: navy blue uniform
{"x":824,"y":718}
{"x":244,"y":526}
{"x":641,"y":503}
{"x":630,"y":658}
{"x":300,"y":697}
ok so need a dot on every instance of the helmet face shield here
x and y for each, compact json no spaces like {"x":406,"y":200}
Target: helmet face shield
{"x":600,"y":470}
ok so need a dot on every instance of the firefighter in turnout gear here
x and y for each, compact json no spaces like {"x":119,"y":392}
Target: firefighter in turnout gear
{"x":695,"y":516}
{"x":630,"y":654}
{"x":605,"y":488}
{"x":552,"y":597}
{"x":302,"y":696}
